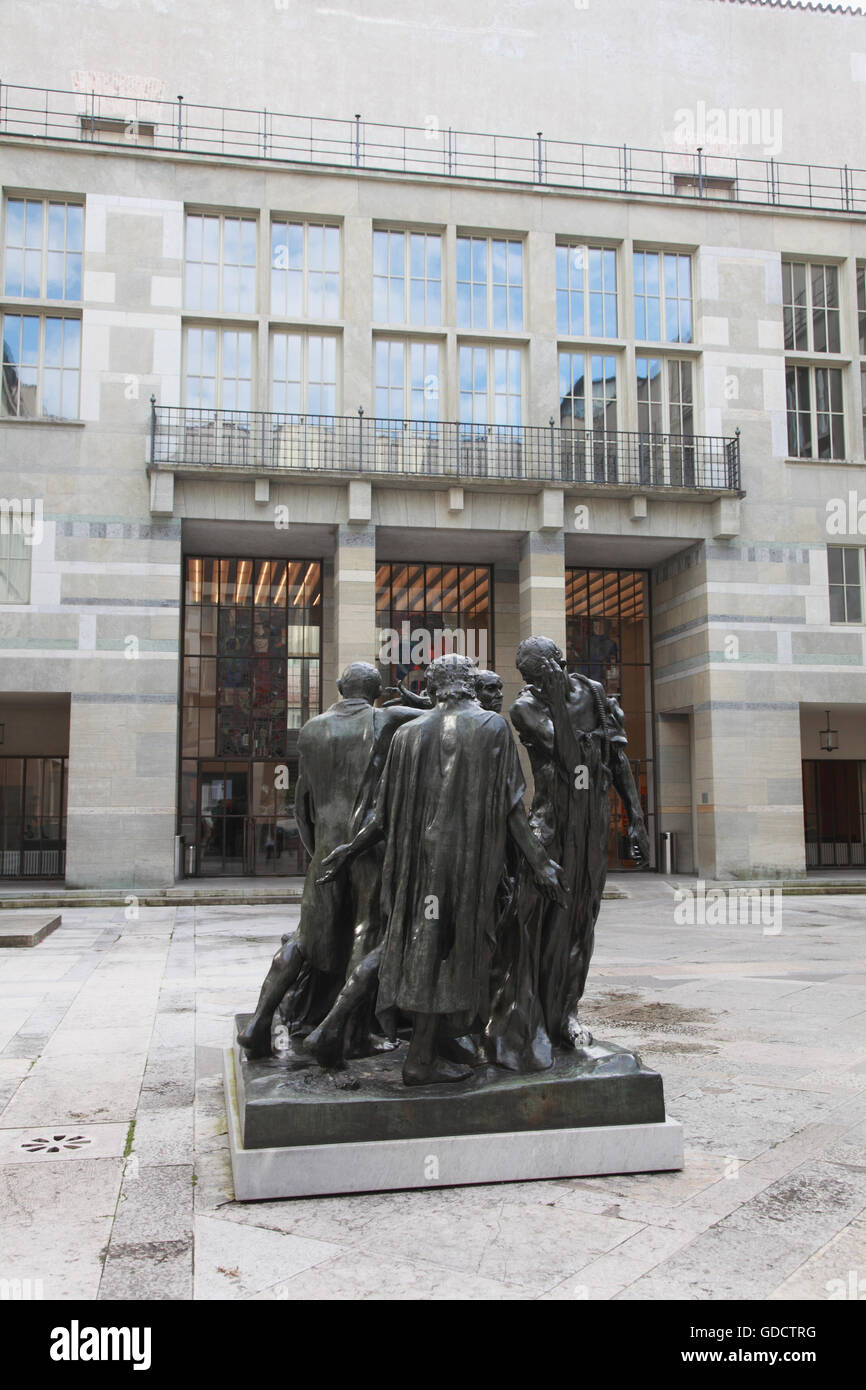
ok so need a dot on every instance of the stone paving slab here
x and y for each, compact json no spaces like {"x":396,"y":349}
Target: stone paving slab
{"x":113,"y":1031}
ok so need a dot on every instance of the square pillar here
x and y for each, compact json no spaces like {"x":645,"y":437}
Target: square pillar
{"x":506,"y":629}
{"x":122,"y":789}
{"x":542,"y":585}
{"x":354,"y":597}
{"x":749,"y":789}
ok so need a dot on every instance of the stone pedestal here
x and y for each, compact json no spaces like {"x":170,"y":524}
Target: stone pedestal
{"x":19,"y":929}
{"x":295,"y":1130}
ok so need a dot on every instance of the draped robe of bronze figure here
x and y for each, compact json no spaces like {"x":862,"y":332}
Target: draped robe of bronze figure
{"x":450,"y":796}
{"x":342,"y":754}
{"x":576,"y":739}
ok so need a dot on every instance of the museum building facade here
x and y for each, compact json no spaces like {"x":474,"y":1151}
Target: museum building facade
{"x":287,"y":399}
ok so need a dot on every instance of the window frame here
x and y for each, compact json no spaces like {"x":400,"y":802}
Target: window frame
{"x":305,"y":336}
{"x":586,"y":293}
{"x":844,"y":586}
{"x":667,"y":403}
{"x":796,"y":365}
{"x":809,"y":308}
{"x":408,"y":279}
{"x":491,"y":285}
{"x":490,"y":349}
{"x":8,"y":534}
{"x":42,"y":317}
{"x":570,"y":423}
{"x":46,"y":203}
{"x":220,"y":309}
{"x":662,"y":254}
{"x":220,"y":328}
{"x":284,"y":309}
{"x":409,"y":346}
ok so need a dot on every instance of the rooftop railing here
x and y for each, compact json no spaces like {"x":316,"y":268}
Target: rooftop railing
{"x":188,"y":437}
{"x":355,"y":143}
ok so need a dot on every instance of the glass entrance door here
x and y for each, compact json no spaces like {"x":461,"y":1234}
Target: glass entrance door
{"x":32,"y":817}
{"x":834,"y":807}
{"x":252,"y":643}
{"x":608,"y":640}
{"x":223,"y":791}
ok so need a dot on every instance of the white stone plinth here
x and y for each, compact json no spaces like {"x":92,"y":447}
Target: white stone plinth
{"x":453,"y":1161}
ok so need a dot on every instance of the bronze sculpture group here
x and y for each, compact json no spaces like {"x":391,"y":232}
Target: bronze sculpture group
{"x":433,"y":902}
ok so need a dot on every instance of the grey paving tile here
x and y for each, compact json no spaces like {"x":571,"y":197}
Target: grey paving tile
{"x":150,"y":1255}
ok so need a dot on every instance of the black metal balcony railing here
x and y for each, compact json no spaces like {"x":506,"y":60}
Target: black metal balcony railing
{"x":238,"y":132}
{"x":188,"y":437}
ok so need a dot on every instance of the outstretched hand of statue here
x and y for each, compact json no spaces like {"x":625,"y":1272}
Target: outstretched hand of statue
{"x":639,"y":840}
{"x":334,"y":863}
{"x":550,"y":880}
{"x":401,"y":695}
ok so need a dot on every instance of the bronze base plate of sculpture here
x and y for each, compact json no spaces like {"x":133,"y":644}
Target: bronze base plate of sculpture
{"x":289,"y":1100}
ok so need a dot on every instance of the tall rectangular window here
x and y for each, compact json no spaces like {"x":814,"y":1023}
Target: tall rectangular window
{"x":587,"y":391}
{"x":41,"y":366}
{"x":810,"y":307}
{"x":490,"y":385}
{"x":305,"y":269}
{"x":220,"y":263}
{"x":15,"y":555}
{"x":219,"y":369}
{"x":681,"y":398}
{"x":407,"y":380}
{"x":44,"y":243}
{"x":407,"y":278}
{"x":816,"y":417}
{"x":586,"y":295}
{"x":588,"y":417}
{"x":666,"y":421}
{"x":489,"y":283}
{"x":304,"y":373}
{"x":845,"y":570}
{"x":663,"y":297}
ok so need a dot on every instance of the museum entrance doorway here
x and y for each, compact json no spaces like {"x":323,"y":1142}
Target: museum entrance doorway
{"x":251,"y":679}
{"x":834,"y":807}
{"x":608,"y":639}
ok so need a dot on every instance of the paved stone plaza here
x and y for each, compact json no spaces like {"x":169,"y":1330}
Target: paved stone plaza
{"x":115,"y":1172}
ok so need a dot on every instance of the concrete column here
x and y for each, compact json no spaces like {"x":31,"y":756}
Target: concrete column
{"x":122,"y":787}
{"x":542,"y":585}
{"x":357,"y":311}
{"x":354,"y":596}
{"x":541,"y":391}
{"x":748,"y":789}
{"x":506,"y":629}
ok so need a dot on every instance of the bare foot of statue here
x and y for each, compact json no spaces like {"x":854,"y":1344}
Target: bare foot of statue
{"x":256,"y":1037}
{"x":428,"y":1073}
{"x":575,"y":1034}
{"x":326,"y":1045}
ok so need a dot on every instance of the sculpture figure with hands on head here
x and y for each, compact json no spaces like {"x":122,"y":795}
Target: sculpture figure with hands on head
{"x":575,"y":735}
